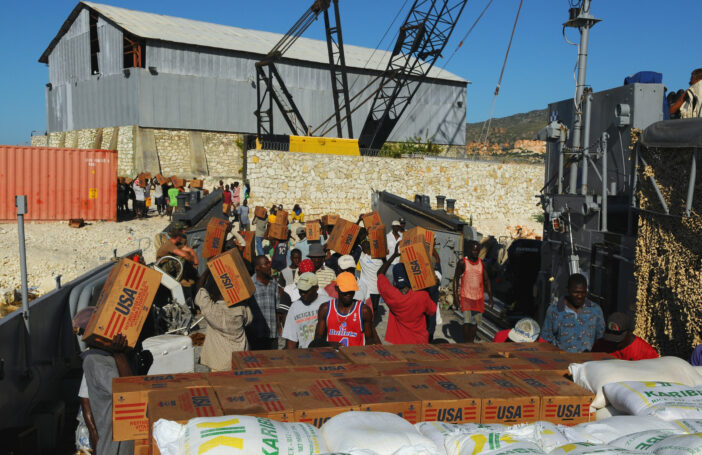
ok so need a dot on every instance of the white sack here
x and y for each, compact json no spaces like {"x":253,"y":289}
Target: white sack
{"x":238,"y":434}
{"x":594,"y":375}
{"x":546,"y":435}
{"x":666,"y":400}
{"x":689,"y":444}
{"x":489,"y":444}
{"x":604,"y":431}
{"x":606,"y":412}
{"x":585,"y":448}
{"x":689,"y":426}
{"x":643,"y":440}
{"x":382,"y":432}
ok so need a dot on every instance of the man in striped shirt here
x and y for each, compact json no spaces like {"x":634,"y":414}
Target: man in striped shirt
{"x":325,"y":275}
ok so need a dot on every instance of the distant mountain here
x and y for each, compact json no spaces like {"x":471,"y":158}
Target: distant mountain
{"x":508,"y":130}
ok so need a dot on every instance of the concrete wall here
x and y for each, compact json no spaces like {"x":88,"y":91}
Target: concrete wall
{"x":171,"y":152}
{"x":494,"y":194}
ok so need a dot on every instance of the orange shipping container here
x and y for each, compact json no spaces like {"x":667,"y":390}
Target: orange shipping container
{"x":59,"y":183}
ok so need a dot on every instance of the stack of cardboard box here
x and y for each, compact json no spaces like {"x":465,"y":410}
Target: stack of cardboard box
{"x":458,"y":383}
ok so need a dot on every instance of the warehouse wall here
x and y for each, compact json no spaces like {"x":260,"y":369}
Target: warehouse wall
{"x":343,"y":184}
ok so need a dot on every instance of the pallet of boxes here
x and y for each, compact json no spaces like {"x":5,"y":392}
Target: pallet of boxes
{"x":452,"y":383}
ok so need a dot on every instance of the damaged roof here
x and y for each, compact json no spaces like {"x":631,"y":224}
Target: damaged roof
{"x":171,"y":29}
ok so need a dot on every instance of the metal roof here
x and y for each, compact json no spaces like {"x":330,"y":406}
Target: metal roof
{"x":205,"y":34}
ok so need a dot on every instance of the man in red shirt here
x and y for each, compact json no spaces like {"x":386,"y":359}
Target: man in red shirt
{"x":408,"y":309}
{"x":620,"y":342}
{"x":469,"y":285}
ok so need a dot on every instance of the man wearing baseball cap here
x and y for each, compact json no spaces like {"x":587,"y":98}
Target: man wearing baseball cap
{"x":393,"y":238}
{"x":526,"y":330}
{"x":301,"y":321}
{"x":325,"y":275}
{"x":345,"y":321}
{"x":620,"y":342}
{"x":302,"y":243}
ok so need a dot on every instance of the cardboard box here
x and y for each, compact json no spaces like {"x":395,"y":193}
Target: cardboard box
{"x":371,"y":354}
{"x":378,"y":242}
{"x":317,"y":401}
{"x":124,"y":303}
{"x":371,"y":219}
{"x":419,"y":234}
{"x":313,"y":230}
{"x":343,"y":236}
{"x":261,"y":359}
{"x":417,"y":262}
{"x":257,"y":400}
{"x":121,"y":179}
{"x":181,"y":405}
{"x":178,"y":183}
{"x":277,"y":232}
{"x":504,"y":400}
{"x":350,"y":370}
{"x":483,"y":366}
{"x":384,"y":394}
{"x":144,"y":177}
{"x":232,"y":278}
{"x":196,"y":183}
{"x":443,"y":400}
{"x":562,"y":401}
{"x":248,"y":250}
{"x":130,"y":397}
{"x":469,"y":351}
{"x":281,"y":217}
{"x":420,"y":353}
{"x":558,"y":361}
{"x":161,"y":179}
{"x":249,"y":376}
{"x":317,"y":357}
{"x":215,"y":235}
{"x":330,"y":220}
{"x":260,"y":212}
{"x":142,"y":447}
{"x":513,"y":349}
{"x":416,"y":368}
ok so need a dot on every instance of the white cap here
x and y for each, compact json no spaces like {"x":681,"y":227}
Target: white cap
{"x":526,"y":330}
{"x":346,"y":262}
{"x":396,"y":223}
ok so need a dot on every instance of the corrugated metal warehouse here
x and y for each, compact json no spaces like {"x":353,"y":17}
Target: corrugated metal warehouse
{"x":111,"y":66}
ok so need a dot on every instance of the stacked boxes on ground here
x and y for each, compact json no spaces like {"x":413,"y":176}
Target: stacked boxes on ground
{"x":454,"y":383}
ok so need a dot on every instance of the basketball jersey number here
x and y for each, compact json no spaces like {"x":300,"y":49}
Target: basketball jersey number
{"x":344,"y":342}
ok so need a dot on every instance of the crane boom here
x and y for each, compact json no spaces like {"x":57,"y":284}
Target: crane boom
{"x":421,"y":40}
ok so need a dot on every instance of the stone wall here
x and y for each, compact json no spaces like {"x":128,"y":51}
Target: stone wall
{"x":495,"y":195}
{"x":222,"y":151}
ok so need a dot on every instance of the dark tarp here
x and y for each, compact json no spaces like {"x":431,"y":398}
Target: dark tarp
{"x":683,"y":133}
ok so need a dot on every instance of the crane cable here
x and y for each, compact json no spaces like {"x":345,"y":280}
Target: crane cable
{"x":486,"y":125}
{"x":465,"y":37}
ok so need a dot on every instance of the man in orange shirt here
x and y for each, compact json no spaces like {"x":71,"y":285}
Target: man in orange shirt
{"x":469,"y":284}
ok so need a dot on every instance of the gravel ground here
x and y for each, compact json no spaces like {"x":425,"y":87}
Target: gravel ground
{"x":56,"y":249}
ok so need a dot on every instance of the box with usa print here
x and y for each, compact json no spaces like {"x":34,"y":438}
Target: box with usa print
{"x":257,"y":400}
{"x":317,"y":357}
{"x":313,"y":230}
{"x":343,"y":236}
{"x":562,"y":401}
{"x":415,"y":368}
{"x":443,"y":399}
{"x":232,"y":277}
{"x":516,"y":349}
{"x":371,"y":354}
{"x":419,"y":234}
{"x":378,"y":242}
{"x":242,"y":360}
{"x":420,"y":353}
{"x":348,"y":370}
{"x":371,"y":219}
{"x":470,"y":351}
{"x":318,"y":400}
{"x":130,"y":396}
{"x":493,"y":365}
{"x":383,"y":394}
{"x":124,"y":303}
{"x":558,"y":362}
{"x":248,"y":376}
{"x":417,"y":262}
{"x":181,"y":405}
{"x":215,"y":235}
{"x":504,"y":400}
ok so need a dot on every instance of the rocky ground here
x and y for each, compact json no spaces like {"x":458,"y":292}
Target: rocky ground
{"x":55,"y":249}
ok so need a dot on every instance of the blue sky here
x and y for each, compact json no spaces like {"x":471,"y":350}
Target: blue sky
{"x":635,"y":35}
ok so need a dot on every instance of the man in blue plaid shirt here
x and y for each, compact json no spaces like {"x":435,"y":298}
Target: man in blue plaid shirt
{"x":263,"y":332}
{"x":574,"y":323}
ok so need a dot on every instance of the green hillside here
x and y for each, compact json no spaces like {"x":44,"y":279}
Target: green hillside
{"x":507,"y":130}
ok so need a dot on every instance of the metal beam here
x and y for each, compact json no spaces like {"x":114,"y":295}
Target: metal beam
{"x":337,"y":68}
